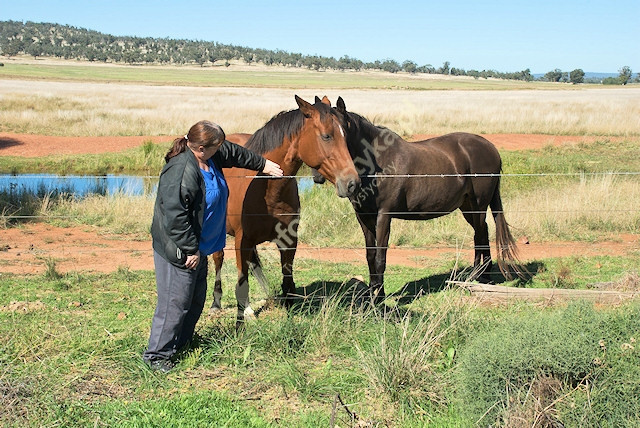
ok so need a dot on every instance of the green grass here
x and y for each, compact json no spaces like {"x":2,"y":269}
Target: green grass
{"x":262,"y":77}
{"x":71,"y":345}
{"x":598,"y":157}
{"x":601,"y":156}
{"x":146,"y":159}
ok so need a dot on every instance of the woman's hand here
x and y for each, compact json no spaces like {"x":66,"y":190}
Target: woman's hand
{"x":272,"y":169}
{"x":192,"y":261}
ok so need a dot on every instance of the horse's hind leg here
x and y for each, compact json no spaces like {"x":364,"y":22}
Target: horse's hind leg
{"x":477,"y":218}
{"x":218,"y":259}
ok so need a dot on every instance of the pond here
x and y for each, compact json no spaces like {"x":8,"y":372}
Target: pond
{"x":78,"y":185}
{"x":83,"y":185}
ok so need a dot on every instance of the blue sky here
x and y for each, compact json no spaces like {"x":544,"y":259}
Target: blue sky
{"x":502,"y":35}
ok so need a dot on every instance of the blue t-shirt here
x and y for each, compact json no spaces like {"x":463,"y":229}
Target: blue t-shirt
{"x":214,"y":224}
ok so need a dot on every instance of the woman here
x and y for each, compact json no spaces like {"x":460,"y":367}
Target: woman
{"x":189,"y":224}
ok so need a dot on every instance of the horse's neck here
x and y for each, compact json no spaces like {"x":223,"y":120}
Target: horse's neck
{"x":377,"y":144}
{"x":289,"y":168}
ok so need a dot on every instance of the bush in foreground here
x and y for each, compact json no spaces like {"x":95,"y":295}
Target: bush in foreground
{"x":575,"y":367}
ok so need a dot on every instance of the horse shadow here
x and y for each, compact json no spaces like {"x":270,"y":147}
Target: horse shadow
{"x":6,"y":142}
{"x":314,"y":295}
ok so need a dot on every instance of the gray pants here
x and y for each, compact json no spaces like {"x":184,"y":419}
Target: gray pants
{"x":181,"y":296}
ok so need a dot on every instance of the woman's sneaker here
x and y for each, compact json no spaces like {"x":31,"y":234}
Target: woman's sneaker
{"x":162,"y":366}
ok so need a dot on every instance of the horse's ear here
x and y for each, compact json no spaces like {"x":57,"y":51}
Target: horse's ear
{"x":317,"y":100}
{"x":342,"y":108}
{"x":306,"y":108}
{"x":326,"y":101}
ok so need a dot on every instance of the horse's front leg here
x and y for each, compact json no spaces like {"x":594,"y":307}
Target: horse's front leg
{"x":243,"y":256}
{"x":368,"y":225}
{"x":383,"y":228}
{"x":288,"y":285}
{"x":218,"y":259}
{"x":287,"y":244}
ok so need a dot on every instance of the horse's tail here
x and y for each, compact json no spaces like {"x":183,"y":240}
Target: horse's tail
{"x":508,"y":260}
{"x":255,"y":265}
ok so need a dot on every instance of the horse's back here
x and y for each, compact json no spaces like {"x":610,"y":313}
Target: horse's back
{"x":239,"y":138}
{"x":435,"y":176}
{"x":464,"y":148}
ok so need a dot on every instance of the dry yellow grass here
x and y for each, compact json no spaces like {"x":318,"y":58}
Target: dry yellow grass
{"x":88,"y":109}
{"x":583,"y":209}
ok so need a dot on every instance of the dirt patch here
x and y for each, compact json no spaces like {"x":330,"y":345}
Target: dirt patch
{"x":29,"y":146}
{"x":34,"y":247}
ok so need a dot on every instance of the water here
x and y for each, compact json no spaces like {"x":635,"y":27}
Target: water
{"x":84,"y":185}
{"x":78,"y":185}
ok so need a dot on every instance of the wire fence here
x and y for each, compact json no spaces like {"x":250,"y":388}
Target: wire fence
{"x":465,"y":246}
{"x":268,"y":177}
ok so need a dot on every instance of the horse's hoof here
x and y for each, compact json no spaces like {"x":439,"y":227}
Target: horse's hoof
{"x":249,"y":314}
{"x":215,"y":310}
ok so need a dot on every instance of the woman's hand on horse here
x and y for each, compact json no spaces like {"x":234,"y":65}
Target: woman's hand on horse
{"x":192,"y":261}
{"x":272,"y":169}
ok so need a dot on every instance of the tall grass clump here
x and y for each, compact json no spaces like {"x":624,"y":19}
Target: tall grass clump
{"x":19,"y":205}
{"x":573,"y":366}
{"x":116,"y":214}
{"x":406,"y":360}
{"x":401,"y":364}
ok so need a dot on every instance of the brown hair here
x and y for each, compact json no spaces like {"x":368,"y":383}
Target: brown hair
{"x":203,"y":133}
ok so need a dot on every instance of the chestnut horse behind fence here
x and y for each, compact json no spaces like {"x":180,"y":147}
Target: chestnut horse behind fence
{"x":423,"y":180}
{"x":268,"y":209}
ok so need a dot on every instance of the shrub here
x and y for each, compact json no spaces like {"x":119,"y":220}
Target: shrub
{"x":576,"y":366}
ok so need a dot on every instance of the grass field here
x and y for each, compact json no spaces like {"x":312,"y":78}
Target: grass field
{"x":71,"y":344}
{"x":51,"y":105}
{"x":248,"y":76}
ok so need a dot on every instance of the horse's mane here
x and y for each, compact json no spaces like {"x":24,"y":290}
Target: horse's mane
{"x":364,"y":124}
{"x":285,"y":124}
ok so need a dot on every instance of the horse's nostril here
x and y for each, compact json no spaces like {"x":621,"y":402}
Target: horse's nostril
{"x":351,"y":187}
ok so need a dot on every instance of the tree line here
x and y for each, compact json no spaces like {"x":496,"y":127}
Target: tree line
{"x":68,"y":42}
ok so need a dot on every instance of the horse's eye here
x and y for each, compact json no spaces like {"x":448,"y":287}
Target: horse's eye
{"x":325,"y":137}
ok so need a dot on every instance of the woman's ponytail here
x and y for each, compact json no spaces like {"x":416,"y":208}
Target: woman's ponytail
{"x":179,"y":146}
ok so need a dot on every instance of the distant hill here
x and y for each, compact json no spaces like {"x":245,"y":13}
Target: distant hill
{"x":68,"y":42}
{"x":587,"y":75}
{"x":591,"y":75}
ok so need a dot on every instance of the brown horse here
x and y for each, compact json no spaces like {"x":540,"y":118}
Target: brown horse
{"x":421,"y":181}
{"x":261,"y":209}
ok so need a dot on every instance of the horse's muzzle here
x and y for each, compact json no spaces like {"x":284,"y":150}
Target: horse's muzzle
{"x":348,"y":186}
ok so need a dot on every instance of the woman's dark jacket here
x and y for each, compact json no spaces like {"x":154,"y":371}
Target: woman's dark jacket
{"x":179,"y":207}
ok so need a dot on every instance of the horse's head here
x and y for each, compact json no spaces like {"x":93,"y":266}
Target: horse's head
{"x":347,"y":124}
{"x":322,"y":146}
